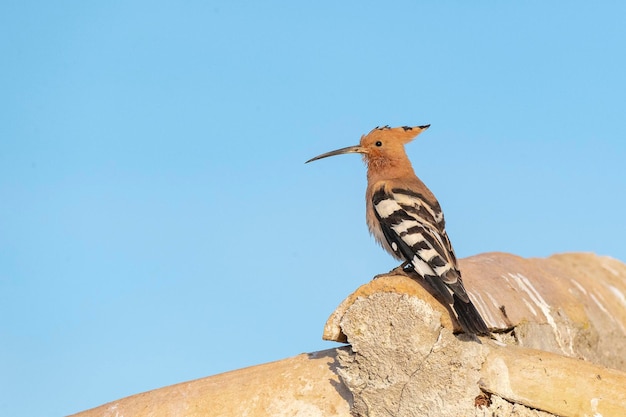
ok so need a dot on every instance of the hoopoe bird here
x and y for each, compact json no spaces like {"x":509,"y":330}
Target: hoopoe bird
{"x":405,"y":218}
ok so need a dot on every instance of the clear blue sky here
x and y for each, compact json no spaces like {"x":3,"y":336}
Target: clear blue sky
{"x":157,"y":221}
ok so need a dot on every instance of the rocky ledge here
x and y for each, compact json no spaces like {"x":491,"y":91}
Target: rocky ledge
{"x":558,"y":348}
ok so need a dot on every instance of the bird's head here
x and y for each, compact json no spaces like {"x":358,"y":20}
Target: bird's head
{"x":381,"y":145}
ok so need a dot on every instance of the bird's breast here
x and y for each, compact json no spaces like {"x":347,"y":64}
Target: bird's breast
{"x":374,"y":225}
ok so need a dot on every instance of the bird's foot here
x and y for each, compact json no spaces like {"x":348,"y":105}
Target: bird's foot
{"x":405,"y":269}
{"x":381,"y":275}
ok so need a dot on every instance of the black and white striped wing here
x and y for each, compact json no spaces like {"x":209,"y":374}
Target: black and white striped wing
{"x":414,"y":229}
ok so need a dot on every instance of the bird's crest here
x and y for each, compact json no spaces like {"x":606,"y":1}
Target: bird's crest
{"x":402,"y":134}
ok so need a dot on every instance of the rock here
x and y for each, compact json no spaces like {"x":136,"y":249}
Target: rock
{"x":572,"y":304}
{"x":404,"y":363}
{"x":560,"y":349}
{"x":553,"y":383}
{"x":397,"y":284}
{"x":569,"y":304}
{"x":305,"y":385}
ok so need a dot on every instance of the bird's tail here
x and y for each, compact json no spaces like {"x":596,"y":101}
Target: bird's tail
{"x":469,"y":318}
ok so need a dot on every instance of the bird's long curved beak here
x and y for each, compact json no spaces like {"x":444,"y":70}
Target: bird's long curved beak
{"x":349,"y":149}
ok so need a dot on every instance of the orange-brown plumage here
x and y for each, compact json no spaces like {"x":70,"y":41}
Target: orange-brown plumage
{"x":406,"y":219}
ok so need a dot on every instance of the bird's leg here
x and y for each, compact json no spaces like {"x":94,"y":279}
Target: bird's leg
{"x":407,"y":266}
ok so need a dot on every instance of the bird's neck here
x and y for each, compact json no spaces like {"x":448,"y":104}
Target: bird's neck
{"x":380,"y":169}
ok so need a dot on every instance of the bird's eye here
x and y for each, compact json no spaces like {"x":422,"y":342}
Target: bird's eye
{"x":379,"y":143}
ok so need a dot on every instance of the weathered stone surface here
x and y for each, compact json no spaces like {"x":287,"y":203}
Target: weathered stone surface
{"x":554,"y":383}
{"x":304,"y":385}
{"x":403,"y":363}
{"x":406,"y":361}
{"x":571,"y":304}
{"x":397,"y":284}
{"x":501,"y":408}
